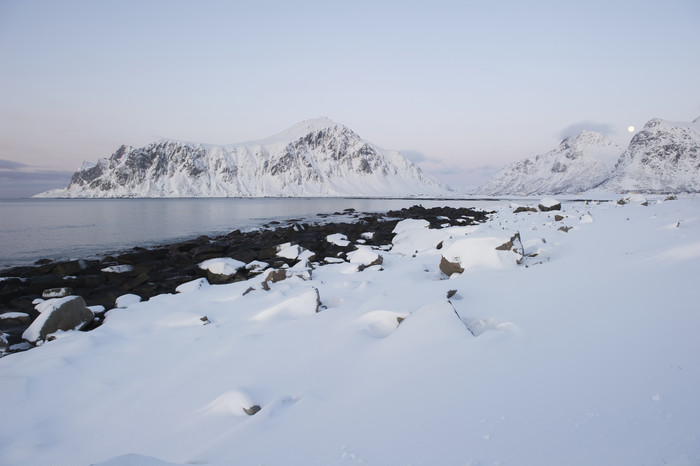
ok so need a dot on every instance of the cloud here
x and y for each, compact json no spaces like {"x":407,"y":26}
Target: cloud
{"x":21,"y":180}
{"x":10,"y":165}
{"x":573,"y":130}
{"x":417,"y":157}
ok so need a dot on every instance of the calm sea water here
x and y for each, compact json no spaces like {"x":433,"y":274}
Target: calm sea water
{"x":32,"y":229}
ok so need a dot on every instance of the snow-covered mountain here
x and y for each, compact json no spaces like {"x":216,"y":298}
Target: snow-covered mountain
{"x":578,"y":164}
{"x":664,"y":157}
{"x":313,"y":158}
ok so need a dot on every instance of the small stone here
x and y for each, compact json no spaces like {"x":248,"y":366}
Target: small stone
{"x":252,"y":410}
{"x":558,"y":218}
{"x":451,"y":293}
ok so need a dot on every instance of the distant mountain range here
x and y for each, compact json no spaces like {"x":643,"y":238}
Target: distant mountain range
{"x":578,"y":164}
{"x":664,"y":157}
{"x":322,"y":158}
{"x":313,"y":158}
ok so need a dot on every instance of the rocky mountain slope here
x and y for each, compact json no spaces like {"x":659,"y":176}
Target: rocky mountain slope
{"x":664,"y":157}
{"x":313,"y":158}
{"x":578,"y":164}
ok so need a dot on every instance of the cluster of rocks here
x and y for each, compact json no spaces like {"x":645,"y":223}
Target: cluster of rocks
{"x":144,"y":273}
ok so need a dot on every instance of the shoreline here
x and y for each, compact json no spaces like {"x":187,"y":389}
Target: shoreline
{"x":152,"y":271}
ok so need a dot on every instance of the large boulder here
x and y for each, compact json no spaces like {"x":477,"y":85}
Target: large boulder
{"x":69,"y":313}
{"x":547,"y":204}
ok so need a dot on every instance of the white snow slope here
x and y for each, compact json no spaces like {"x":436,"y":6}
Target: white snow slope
{"x":313,"y":158}
{"x":584,"y":354}
{"x":663,"y":157}
{"x":578,"y":164}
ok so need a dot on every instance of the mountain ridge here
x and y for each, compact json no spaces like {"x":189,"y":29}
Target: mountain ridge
{"x":315,"y":157}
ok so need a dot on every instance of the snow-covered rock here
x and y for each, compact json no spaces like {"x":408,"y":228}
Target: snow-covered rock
{"x":15,"y":318}
{"x":664,"y":157}
{"x":338,"y":239}
{"x":549,"y":203}
{"x":364,"y":257}
{"x":56,"y":293}
{"x":119,"y":269}
{"x":578,"y":164}
{"x":256,"y":267}
{"x":313,"y":158}
{"x":221,"y":269}
{"x":291,"y":251}
{"x":69,"y":313}
{"x":490,"y":252}
{"x":126,"y":300}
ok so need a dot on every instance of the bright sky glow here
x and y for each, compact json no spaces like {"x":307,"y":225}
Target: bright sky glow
{"x":464,"y":85}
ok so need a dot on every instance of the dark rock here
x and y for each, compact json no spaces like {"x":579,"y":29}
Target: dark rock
{"x":558,"y":218}
{"x":451,"y":293}
{"x":36,"y":285}
{"x":565,"y":229}
{"x":88,"y":281}
{"x":19,"y":318}
{"x":449,"y":268}
{"x":515,"y":245}
{"x":524,"y":209}
{"x":549,"y":208}
{"x":252,"y":410}
{"x":134,"y":282}
{"x":277,"y":275}
{"x":71,"y":267}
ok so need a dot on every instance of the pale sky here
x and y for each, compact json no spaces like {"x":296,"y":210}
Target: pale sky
{"x":464,"y":86}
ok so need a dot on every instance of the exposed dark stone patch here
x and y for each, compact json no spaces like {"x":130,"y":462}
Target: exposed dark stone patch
{"x":252,"y":410}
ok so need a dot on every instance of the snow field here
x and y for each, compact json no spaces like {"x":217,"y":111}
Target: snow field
{"x":584,"y":353}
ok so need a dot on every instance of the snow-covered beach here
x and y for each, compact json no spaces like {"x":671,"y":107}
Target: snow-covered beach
{"x":579,"y":349}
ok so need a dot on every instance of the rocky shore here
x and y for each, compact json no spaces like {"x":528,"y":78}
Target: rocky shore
{"x":142,"y":273}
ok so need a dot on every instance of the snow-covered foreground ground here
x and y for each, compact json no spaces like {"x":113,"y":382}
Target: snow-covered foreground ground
{"x":585,"y":354}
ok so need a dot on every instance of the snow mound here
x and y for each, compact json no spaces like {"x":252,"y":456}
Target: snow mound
{"x":304,"y":304}
{"x":193,"y":285}
{"x":380,"y":324}
{"x":127,"y":300}
{"x":133,"y":459}
{"x":234,"y":402}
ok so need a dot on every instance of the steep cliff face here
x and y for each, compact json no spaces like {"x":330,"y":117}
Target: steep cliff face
{"x":313,"y":158}
{"x":578,"y":164}
{"x":664,"y":157}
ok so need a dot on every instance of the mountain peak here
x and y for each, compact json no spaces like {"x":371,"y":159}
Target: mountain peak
{"x":308,"y":126}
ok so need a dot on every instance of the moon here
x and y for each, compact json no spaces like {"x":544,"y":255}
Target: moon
{"x":630,"y":129}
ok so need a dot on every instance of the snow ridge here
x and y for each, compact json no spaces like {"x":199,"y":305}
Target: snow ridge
{"x":313,"y":158}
